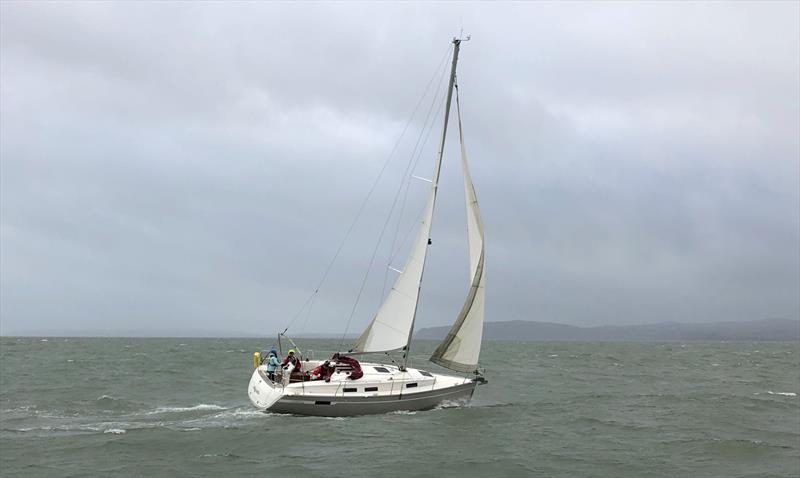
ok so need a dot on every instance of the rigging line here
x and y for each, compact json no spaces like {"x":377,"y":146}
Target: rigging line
{"x":419,"y":155}
{"x":394,"y":251}
{"x":417,"y":151}
{"x":375,"y":250}
{"x":369,"y":268}
{"x":380,"y":240}
{"x":308,"y":315}
{"x":369,"y":194}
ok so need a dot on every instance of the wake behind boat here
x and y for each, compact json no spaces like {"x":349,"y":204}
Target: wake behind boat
{"x":343,"y":386}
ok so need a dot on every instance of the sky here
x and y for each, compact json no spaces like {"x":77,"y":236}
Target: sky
{"x":192,"y":168}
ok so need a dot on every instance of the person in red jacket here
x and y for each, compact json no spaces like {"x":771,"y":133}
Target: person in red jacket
{"x":356,"y":372}
{"x":323,"y":372}
{"x":292,"y":362}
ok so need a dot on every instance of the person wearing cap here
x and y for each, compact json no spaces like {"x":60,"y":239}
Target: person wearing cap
{"x":292,"y":360}
{"x":272,"y":364}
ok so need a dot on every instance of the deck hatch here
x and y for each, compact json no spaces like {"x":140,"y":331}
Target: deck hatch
{"x":381,"y":369}
{"x":427,"y":374}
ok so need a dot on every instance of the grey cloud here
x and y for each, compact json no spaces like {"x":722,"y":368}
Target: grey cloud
{"x":193,"y":166}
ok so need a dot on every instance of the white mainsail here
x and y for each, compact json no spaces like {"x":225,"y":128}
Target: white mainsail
{"x":462,"y":346}
{"x":392,"y":326}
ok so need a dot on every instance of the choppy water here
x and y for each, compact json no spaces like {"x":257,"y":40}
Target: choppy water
{"x":178,"y":407}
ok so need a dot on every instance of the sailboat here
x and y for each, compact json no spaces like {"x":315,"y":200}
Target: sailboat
{"x":346,"y":387}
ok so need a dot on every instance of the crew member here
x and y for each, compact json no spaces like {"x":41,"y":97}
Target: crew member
{"x":292,"y":360}
{"x":272,"y":364}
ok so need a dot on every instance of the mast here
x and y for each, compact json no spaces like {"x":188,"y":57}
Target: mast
{"x":435,"y":184}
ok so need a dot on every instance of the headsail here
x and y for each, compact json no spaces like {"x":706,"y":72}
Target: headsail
{"x":461,"y":348}
{"x":393,"y":325}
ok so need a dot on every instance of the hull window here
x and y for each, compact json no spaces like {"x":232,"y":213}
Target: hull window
{"x":370,"y":389}
{"x":322,"y":402}
{"x":411,"y":385}
{"x":350,"y":390}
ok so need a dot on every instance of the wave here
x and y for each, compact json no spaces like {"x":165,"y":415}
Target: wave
{"x":785,"y":394}
{"x":58,"y":429}
{"x":194,"y":408}
{"x":451,"y":404}
{"x":111,"y":403}
{"x":115,"y":431}
{"x":221,"y":455}
{"x":242,"y":413}
{"x":495,"y":405}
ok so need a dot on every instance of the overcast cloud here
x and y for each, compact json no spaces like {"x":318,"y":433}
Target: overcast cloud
{"x":191,"y":168}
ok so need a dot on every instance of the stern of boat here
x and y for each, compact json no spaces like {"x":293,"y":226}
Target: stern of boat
{"x":263,"y":393}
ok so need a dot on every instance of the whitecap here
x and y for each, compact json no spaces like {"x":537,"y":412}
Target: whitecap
{"x":554,"y":355}
{"x":44,"y":340}
{"x":200,"y":407}
{"x":241,"y":413}
{"x":458,"y":403}
{"x":785,"y":394}
{"x":70,"y":360}
{"x":116,"y":431}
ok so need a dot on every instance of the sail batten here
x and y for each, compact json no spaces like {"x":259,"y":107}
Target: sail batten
{"x":461,"y":348}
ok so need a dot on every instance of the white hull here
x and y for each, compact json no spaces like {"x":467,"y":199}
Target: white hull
{"x":376,"y":392}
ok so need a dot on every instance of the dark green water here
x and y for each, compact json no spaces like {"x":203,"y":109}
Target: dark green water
{"x":178,"y":407}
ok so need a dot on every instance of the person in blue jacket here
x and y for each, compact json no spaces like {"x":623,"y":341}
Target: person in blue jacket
{"x":272,"y":364}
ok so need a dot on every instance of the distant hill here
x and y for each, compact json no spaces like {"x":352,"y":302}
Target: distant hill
{"x":764,"y":330}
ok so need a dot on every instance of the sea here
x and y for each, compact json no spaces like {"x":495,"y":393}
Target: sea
{"x":172,"y":407}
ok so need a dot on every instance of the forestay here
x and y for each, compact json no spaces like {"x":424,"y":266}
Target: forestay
{"x":462,"y":346}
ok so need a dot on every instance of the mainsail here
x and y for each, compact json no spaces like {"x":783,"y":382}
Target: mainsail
{"x":460,"y":349}
{"x":392,"y":326}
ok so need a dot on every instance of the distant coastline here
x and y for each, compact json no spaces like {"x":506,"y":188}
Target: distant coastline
{"x":517,"y":330}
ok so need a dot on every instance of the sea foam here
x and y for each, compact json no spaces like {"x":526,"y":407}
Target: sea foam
{"x":785,"y":394}
{"x":200,"y":407}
